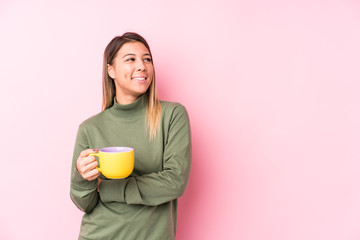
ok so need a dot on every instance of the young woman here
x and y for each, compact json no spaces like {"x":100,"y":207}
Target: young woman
{"x":143,"y":205}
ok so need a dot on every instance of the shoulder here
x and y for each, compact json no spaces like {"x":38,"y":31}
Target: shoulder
{"x":173,"y":111}
{"x":172,"y":107}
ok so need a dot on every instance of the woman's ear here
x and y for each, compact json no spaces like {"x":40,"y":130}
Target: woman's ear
{"x":110,"y":71}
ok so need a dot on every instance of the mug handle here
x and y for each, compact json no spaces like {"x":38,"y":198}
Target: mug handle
{"x":96,"y":155}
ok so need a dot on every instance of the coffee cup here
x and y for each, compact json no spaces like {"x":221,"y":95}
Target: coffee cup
{"x":115,"y":162}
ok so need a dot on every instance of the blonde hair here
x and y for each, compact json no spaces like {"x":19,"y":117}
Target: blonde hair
{"x":153,"y":106}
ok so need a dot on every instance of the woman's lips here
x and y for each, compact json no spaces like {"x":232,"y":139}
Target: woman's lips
{"x":139,"y":79}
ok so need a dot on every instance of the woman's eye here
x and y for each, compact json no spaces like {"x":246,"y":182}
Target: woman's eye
{"x":130,"y":59}
{"x":147,"y":59}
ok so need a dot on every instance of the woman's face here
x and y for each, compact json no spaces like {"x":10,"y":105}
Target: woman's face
{"x":132,"y":72}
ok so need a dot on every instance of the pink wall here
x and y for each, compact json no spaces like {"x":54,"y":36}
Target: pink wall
{"x":272,"y":89}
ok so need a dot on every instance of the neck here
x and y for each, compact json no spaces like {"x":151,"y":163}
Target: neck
{"x":125,"y":100}
{"x":134,"y":109}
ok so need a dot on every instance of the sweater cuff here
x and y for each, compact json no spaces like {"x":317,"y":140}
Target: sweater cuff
{"x":112,"y":190}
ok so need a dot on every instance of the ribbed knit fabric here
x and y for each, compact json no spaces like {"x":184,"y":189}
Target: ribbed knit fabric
{"x":144,"y":205}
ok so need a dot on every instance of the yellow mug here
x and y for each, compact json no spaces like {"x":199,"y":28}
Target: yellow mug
{"x":115,"y":162}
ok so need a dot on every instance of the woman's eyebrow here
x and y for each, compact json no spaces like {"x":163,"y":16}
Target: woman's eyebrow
{"x":133,"y":54}
{"x":129,"y":54}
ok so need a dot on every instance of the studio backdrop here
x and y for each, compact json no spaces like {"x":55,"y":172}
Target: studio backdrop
{"x":272,"y":91}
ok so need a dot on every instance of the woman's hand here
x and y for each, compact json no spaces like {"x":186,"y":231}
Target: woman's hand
{"x":86,"y":165}
{"x":98,"y":185}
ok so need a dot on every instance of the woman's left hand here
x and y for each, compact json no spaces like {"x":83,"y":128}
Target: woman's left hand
{"x":98,"y":184}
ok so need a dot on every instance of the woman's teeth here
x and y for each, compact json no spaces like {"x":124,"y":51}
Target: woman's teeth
{"x":139,"y":79}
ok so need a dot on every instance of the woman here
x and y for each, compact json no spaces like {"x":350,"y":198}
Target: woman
{"x":144,"y":205}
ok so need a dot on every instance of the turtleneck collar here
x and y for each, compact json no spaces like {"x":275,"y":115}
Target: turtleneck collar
{"x":133,"y":109}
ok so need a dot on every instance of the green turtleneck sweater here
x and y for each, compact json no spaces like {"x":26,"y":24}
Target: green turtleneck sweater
{"x":144,"y":205}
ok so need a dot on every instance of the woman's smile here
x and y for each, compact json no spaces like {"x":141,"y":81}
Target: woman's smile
{"x":139,"y":78}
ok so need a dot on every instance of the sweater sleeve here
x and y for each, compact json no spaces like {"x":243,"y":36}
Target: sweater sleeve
{"x":160,"y":187}
{"x":82,"y":192}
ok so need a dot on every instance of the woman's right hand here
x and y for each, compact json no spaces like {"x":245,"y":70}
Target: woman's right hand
{"x":86,"y":165}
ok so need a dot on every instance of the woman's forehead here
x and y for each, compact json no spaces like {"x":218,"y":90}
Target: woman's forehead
{"x":135,"y":48}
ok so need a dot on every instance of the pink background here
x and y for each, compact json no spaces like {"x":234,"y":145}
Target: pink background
{"x":272,"y":89}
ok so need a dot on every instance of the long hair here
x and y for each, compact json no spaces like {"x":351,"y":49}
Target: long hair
{"x":153,"y":107}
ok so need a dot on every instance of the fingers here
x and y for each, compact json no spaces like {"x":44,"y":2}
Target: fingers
{"x":91,"y":175}
{"x":90,"y":166}
{"x":98,"y":185}
{"x":82,"y":164}
{"x":87,"y":152}
{"x":86,"y":165}
{"x":87,"y":160}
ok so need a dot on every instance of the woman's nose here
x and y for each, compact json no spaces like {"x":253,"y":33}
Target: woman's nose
{"x":140,"y":66}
